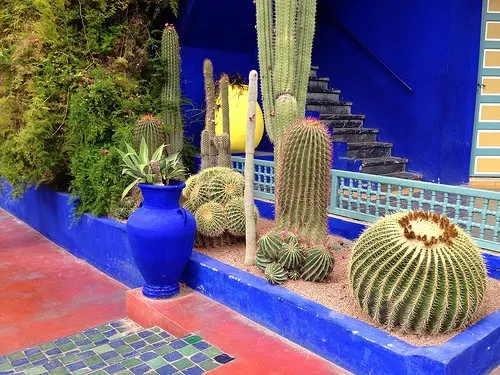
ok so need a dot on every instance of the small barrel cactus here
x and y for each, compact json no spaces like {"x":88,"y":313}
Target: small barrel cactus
{"x":270,"y":245}
{"x":151,"y":129}
{"x":275,"y":273}
{"x":291,"y":256}
{"x":211,"y":219}
{"x":419,"y":271}
{"x":262,"y":261}
{"x":236,"y":219}
{"x":303,"y":180}
{"x":318,"y":264}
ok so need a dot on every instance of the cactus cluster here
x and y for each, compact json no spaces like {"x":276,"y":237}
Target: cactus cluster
{"x":215,"y":197}
{"x":281,"y":256}
{"x":303,"y":180}
{"x":215,"y":149}
{"x":150,"y":128}
{"x":417,"y":271}
{"x":285,"y":33}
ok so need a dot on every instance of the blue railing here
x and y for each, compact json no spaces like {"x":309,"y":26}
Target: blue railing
{"x":367,"y":197}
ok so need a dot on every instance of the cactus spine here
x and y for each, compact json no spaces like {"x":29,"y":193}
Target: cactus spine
{"x":318,"y":264}
{"x":303,"y":180}
{"x":251,"y":232}
{"x":151,"y":129}
{"x":419,"y":271}
{"x":285,"y":46}
{"x":171,"y":91}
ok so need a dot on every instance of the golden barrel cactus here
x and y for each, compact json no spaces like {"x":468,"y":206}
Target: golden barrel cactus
{"x":418,"y":271}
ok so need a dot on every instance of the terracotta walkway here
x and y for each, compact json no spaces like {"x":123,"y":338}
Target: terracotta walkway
{"x":49,"y":294}
{"x":46,"y":293}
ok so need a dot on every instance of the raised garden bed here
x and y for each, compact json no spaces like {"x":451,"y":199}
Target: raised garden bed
{"x":348,"y":342}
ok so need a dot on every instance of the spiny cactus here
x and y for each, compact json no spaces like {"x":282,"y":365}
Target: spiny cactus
{"x":303,"y":180}
{"x":211,"y":219}
{"x":190,"y":184}
{"x":262,"y":261}
{"x":226,"y":187}
{"x":285,"y":32}
{"x":275,"y":273}
{"x":419,"y":271}
{"x":250,"y":228}
{"x":152,"y":130}
{"x":291,"y":256}
{"x":171,"y":91}
{"x":208,"y":150}
{"x":270,"y":245}
{"x":199,"y":194}
{"x":236,"y":220}
{"x":318,"y":264}
{"x":294,"y":274}
{"x":291,"y":238}
{"x":223,"y":142}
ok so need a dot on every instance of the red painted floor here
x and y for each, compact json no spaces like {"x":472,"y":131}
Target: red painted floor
{"x":257,"y":350}
{"x":46,"y":293}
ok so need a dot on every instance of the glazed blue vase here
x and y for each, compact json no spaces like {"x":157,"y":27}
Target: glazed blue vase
{"x":161,"y":235}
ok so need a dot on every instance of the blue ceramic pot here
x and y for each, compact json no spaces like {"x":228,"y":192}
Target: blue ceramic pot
{"x":161,"y":235}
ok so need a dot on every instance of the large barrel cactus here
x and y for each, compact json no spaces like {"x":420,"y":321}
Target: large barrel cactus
{"x":303,"y":180}
{"x":419,"y":271}
{"x":151,"y":129}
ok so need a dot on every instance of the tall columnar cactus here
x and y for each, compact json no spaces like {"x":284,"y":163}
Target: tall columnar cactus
{"x":208,"y":150}
{"x":419,"y":271}
{"x":150,"y":128}
{"x":285,"y":32}
{"x":171,"y":91}
{"x":303,"y":180}
{"x":223,"y":142}
{"x":250,"y":231}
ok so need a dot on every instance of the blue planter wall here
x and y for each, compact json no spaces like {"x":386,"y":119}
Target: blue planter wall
{"x":432,"y":45}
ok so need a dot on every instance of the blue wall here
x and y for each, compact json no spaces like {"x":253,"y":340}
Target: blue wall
{"x":432,"y":45}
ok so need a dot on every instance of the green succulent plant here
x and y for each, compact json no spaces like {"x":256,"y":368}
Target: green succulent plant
{"x":291,"y":256}
{"x":236,"y":220}
{"x":262,"y":261}
{"x":294,"y":274}
{"x":150,"y":128}
{"x":417,"y":271}
{"x":318,"y":264}
{"x":275,"y":273}
{"x":227,"y":186}
{"x":157,"y":170}
{"x":270,"y":245}
{"x":210,"y":219}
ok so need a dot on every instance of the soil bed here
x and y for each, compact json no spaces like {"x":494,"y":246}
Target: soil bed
{"x":335,"y":292}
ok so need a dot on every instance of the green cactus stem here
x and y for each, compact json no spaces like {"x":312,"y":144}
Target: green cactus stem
{"x":418,"y":271}
{"x":208,"y":150}
{"x":171,"y":91}
{"x":211,"y":219}
{"x":285,"y":32}
{"x":303,"y":180}
{"x":227,"y":187}
{"x":223,"y":142}
{"x":152,"y":130}
{"x":318,"y":264}
{"x":294,"y":275}
{"x":262,"y":261}
{"x":275,"y":274}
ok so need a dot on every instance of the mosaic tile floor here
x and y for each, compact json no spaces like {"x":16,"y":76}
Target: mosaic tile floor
{"x":120,"y":347}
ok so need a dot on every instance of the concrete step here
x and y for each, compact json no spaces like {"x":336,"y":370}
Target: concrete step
{"x":364,"y":150}
{"x":341,"y":108}
{"x":383,"y":166}
{"x":314,"y":71}
{"x":406,"y":175}
{"x":342,"y":121}
{"x":318,"y":84}
{"x":326,"y":96}
{"x":354,"y":135}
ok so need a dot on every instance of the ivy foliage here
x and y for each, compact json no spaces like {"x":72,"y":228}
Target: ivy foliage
{"x":74,"y":77}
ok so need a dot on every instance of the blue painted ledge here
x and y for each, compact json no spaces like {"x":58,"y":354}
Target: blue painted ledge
{"x":348,"y":342}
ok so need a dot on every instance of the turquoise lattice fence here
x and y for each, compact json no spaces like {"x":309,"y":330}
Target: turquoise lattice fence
{"x":367,"y":197}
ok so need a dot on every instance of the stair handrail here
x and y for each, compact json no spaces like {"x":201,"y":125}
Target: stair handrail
{"x":380,"y":61}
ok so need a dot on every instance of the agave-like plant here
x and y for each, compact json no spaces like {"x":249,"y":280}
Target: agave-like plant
{"x":158,"y":170}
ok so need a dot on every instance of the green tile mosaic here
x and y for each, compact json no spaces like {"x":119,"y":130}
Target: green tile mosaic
{"x":122,"y":346}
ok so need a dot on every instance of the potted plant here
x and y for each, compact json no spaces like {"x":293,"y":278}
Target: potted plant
{"x":161,"y":233}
